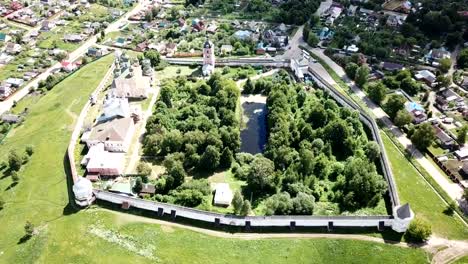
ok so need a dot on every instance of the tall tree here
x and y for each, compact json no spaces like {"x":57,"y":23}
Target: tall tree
{"x":246,"y":208}
{"x":423,"y":136}
{"x":237,"y":202}
{"x":461,"y":135}
{"x":362,"y":74}
{"x":377,"y":92}
{"x":395,"y":103}
{"x":402,"y":118}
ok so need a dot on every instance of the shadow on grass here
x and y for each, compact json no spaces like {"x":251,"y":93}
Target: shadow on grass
{"x":24,"y":239}
{"x":11,"y":186}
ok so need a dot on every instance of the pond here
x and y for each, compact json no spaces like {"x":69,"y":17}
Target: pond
{"x":254,"y":135}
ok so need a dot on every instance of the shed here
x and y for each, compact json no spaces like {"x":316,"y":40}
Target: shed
{"x":462,"y":154}
{"x":223,"y":195}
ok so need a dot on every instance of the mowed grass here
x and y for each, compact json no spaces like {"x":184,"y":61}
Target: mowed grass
{"x":41,"y":194}
{"x":423,"y":200}
{"x":118,"y":235}
{"x":97,"y":236}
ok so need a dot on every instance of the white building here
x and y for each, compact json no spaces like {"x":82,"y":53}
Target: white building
{"x":208,"y":58}
{"x":403,"y":217}
{"x":115,"y":134}
{"x":83,"y":191}
{"x":223,"y":195}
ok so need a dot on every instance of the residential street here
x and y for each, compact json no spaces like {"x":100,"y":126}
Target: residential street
{"x":452,"y":189}
{"x":8,"y":103}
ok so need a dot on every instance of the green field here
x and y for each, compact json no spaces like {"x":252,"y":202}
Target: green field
{"x":423,"y":200}
{"x":95,"y":236}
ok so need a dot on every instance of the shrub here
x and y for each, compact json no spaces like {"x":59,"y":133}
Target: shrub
{"x":419,"y":230}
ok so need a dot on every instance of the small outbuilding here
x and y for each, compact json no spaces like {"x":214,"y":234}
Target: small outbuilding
{"x":223,"y":195}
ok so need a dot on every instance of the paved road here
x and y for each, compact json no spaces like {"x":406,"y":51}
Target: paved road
{"x":452,"y":189}
{"x":8,"y":103}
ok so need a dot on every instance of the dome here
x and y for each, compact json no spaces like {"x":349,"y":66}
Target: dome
{"x":83,"y":189}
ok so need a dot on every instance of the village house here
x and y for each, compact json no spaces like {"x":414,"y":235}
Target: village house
{"x":436,"y":55}
{"x":116,"y":135}
{"x":445,"y":140}
{"x":462,"y":154}
{"x":403,"y":6}
{"x":47,"y":25}
{"x":12,"y":48}
{"x":394,"y":21}
{"x":448,"y":99}
{"x":6,"y":90}
{"x":147,"y":189}
{"x":68,"y":66}
{"x":14,"y":82}
{"x":74,"y":38}
{"x":416,"y":111}
{"x":391,"y":66}
{"x":95,"y":52}
{"x":426,"y":76}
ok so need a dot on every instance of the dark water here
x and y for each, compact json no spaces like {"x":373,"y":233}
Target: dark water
{"x":253,"y":137}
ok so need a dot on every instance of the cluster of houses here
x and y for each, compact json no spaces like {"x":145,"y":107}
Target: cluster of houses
{"x":111,"y":136}
{"x":6,"y":9}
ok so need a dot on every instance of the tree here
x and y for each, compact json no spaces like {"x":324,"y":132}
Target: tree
{"x":237,"y":201}
{"x":462,"y":60}
{"x":377,"y":92}
{"x":226,"y":158}
{"x":465,"y":194}
{"x":210,"y":158}
{"x":395,"y":103}
{"x":444,"y":65}
{"x":402,"y":118}
{"x":443,"y":81}
{"x":29,"y":229}
{"x":261,"y":173}
{"x":138,"y":185}
{"x":144,"y":168}
{"x":351,"y":69}
{"x":419,"y":230}
{"x":248,"y":87}
{"x":410,"y":86}
{"x":177,"y":173}
{"x":423,"y":136}
{"x":246,"y":208}
{"x":372,"y":150}
{"x":14,"y":161}
{"x":303,"y":204}
{"x":362,"y":186}
{"x":29,"y":150}
{"x":153,"y":56}
{"x":312,"y":40}
{"x":461,"y":135}
{"x":362,"y":74}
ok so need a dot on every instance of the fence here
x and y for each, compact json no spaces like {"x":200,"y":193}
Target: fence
{"x":175,"y":211}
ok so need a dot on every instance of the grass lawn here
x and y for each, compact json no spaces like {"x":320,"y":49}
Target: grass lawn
{"x":174,"y":71}
{"x":423,"y":200}
{"x":463,"y":260}
{"x":116,"y":237}
{"x":41,"y":195}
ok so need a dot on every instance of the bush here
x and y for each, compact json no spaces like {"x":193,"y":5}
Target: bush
{"x":419,"y":230}
{"x":29,"y":150}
